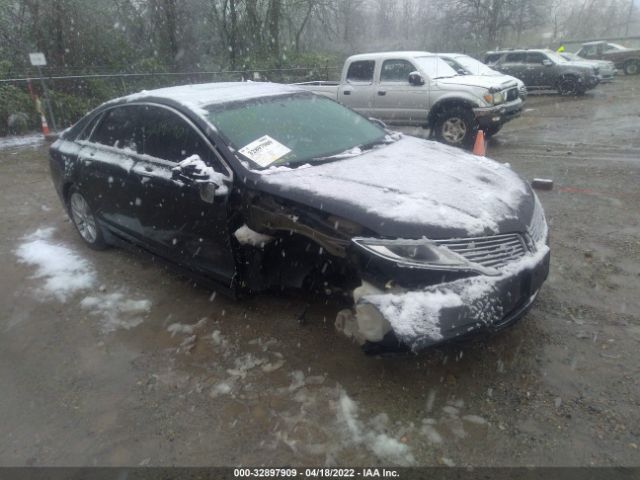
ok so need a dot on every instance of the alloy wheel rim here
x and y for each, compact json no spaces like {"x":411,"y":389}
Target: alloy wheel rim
{"x":454,"y":130}
{"x":83,"y":218}
{"x":633,"y":68}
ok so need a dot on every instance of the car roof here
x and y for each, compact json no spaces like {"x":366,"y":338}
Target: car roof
{"x":387,"y":55}
{"x":596,"y":42}
{"x":198,"y":96}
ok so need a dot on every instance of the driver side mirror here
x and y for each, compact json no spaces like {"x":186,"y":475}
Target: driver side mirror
{"x":416,"y":79}
{"x":547,"y":63}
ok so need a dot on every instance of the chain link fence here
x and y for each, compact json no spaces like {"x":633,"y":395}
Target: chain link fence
{"x":74,"y":95}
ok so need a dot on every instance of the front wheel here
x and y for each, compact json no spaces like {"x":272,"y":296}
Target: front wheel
{"x":85,"y":221}
{"x":632,"y":67}
{"x":568,"y":86}
{"x":456,"y":126}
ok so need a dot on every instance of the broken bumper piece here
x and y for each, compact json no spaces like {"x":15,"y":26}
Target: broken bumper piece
{"x":419,"y":319}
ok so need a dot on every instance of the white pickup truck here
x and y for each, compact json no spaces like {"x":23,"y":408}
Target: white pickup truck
{"x":421,"y":89}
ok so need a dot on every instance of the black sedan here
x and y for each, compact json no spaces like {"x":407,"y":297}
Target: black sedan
{"x":256,"y":186}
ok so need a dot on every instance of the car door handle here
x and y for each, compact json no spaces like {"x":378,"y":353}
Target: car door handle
{"x":346,"y":92}
{"x":382,"y":93}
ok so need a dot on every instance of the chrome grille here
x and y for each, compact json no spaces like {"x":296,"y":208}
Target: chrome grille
{"x":494,"y":252}
{"x":512,"y":94}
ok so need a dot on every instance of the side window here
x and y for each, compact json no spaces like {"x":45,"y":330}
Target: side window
{"x":492,"y":58}
{"x":88,"y":128}
{"x":588,"y":51}
{"x":516,"y":57}
{"x":396,"y":71}
{"x":361,"y":71}
{"x":536,"y":58}
{"x":167,"y":136}
{"x":120,"y":128}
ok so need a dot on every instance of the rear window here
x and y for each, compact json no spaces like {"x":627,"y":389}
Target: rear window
{"x":361,"y":71}
{"x":120,"y":128}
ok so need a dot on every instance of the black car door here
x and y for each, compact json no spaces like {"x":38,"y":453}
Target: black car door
{"x":537,"y":73}
{"x":180,"y":216}
{"x":106,"y":160}
{"x":513,"y":64}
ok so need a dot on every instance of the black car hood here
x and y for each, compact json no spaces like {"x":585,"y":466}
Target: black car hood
{"x":410,"y":189}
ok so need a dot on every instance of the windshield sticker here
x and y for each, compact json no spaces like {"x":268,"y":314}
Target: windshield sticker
{"x":264,"y":151}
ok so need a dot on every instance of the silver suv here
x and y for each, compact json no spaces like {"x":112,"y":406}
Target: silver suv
{"x":544,"y":70}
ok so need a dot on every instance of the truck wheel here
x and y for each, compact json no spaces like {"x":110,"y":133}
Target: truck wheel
{"x":492,"y":130}
{"x":85,"y":221}
{"x":632,"y":67}
{"x":569,"y":86}
{"x":456,"y":126}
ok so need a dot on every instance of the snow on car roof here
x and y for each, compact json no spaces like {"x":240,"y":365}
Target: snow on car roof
{"x":385,"y":55}
{"x":197,"y":96}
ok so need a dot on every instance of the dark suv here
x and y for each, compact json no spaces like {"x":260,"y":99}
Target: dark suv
{"x":544,"y":70}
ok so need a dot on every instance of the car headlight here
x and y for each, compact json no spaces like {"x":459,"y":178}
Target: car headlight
{"x":538,"y":228}
{"x":413,"y":253}
{"x":494,"y":98}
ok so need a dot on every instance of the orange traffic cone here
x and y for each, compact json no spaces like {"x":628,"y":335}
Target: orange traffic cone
{"x":479,"y":147}
{"x":45,"y":126}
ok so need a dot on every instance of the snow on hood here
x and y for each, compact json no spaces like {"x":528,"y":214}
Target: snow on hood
{"x":413,"y":188}
{"x":484,"y":81}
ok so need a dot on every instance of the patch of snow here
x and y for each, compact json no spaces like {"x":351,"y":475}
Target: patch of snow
{"x":21,"y":141}
{"x":63,"y":271}
{"x":184,"y":328}
{"x":116,"y":311}
{"x":246,"y":236}
{"x":219,"y":389}
{"x":386,"y":448}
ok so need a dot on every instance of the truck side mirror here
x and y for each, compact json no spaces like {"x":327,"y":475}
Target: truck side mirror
{"x":416,"y":79}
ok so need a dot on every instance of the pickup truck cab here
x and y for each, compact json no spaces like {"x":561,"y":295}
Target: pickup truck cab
{"x":421,"y":89}
{"x":627,"y":59}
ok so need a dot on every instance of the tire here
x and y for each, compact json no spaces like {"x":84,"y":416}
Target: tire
{"x":456,"y":126}
{"x":492,"y":130}
{"x":632,"y":67}
{"x":568,"y":86}
{"x":85,"y":221}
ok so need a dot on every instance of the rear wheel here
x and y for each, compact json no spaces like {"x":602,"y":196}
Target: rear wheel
{"x":85,"y":221}
{"x":568,"y":86}
{"x":632,"y":67}
{"x":456,"y":126}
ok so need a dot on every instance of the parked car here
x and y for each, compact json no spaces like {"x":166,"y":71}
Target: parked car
{"x":258,"y":186}
{"x":607,"y":70}
{"x":466,"y":65}
{"x":544,"y":70}
{"x":419,"y":88}
{"x":626,"y":59}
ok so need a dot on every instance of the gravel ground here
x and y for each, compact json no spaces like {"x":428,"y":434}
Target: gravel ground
{"x":133,"y":365}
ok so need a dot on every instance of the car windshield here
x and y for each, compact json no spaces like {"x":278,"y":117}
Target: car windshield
{"x":475,"y":67}
{"x":434,"y":67}
{"x":294,"y":129}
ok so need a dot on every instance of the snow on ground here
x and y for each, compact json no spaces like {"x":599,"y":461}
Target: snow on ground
{"x":115,"y":311}
{"x":372,"y":436}
{"x":62,"y":270}
{"x":64,"y":273}
{"x":34,"y":139}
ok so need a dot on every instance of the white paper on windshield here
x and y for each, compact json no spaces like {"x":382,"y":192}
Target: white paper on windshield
{"x":264,"y":151}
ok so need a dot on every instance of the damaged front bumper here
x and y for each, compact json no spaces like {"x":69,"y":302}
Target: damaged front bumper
{"x":499,"y":114}
{"x":418,"y":319}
